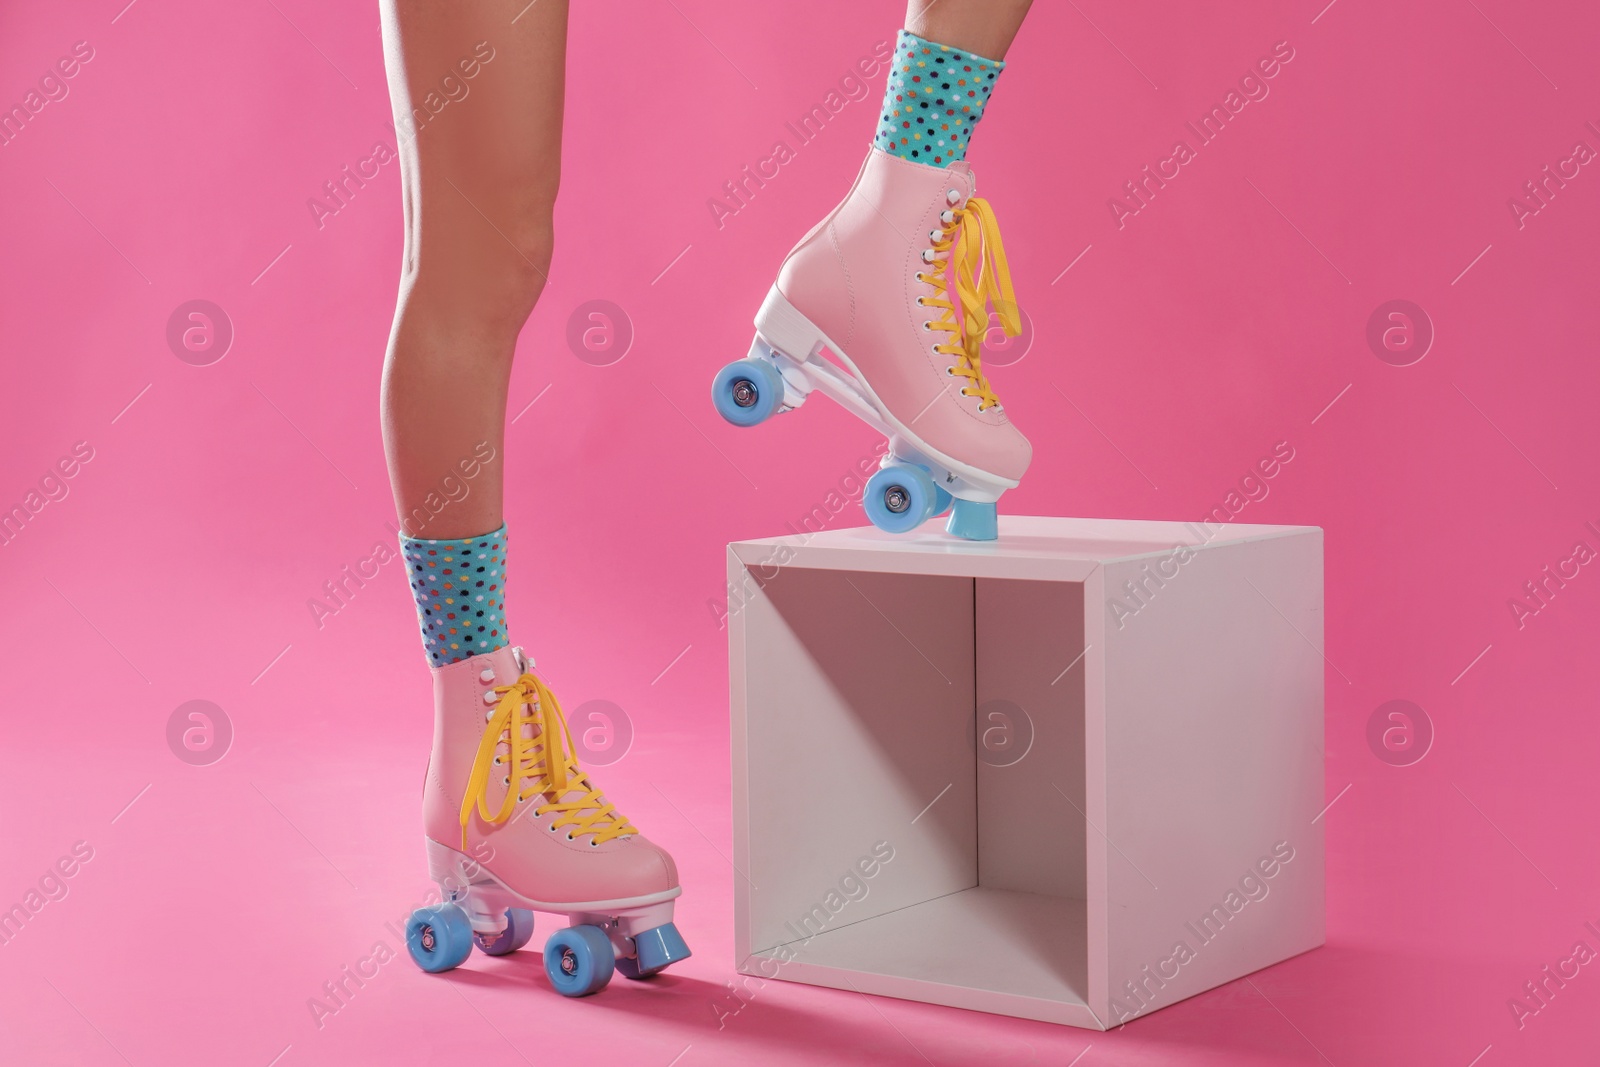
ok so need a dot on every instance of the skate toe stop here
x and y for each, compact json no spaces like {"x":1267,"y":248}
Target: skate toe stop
{"x":659,"y":947}
{"x":973,"y":521}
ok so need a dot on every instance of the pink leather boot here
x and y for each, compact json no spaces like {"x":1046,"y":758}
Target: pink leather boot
{"x":895,"y":285}
{"x":514,"y":826}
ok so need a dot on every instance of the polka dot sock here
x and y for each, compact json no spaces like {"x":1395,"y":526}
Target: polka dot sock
{"x":935,"y":96}
{"x":460,"y":587}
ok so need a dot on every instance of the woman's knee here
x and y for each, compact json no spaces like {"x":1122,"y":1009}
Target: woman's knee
{"x":484,"y":270}
{"x":530,"y":246}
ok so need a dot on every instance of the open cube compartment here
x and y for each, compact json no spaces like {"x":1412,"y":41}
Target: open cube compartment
{"x":995,"y":776}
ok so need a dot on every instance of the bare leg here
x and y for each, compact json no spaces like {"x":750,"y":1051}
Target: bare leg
{"x":986,"y":27}
{"x":479,"y":180}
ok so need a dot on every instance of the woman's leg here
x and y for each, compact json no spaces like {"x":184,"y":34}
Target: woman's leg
{"x":986,"y":27}
{"x":477,"y":88}
{"x":483,"y":95}
{"x":483,"y":81}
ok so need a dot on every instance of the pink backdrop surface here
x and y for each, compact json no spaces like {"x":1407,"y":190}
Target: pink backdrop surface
{"x":1173,"y":347}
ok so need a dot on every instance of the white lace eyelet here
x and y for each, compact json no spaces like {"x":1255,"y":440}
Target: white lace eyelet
{"x":919,"y":302}
{"x":488,"y":698}
{"x":953,"y":197}
{"x":505,"y":781}
{"x":927,"y":255}
{"x":927,"y":326}
{"x":947,"y":217}
{"x":571,"y":838}
{"x":593,"y":843}
{"x":486,"y":675}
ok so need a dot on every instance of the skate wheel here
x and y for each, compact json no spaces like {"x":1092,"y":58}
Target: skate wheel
{"x":900,"y":498}
{"x":579,"y":960}
{"x":942,"y":501}
{"x":747,"y":391}
{"x":657,"y":949}
{"x":519,"y":928}
{"x":439,"y":938}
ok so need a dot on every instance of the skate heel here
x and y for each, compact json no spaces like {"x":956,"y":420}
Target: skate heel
{"x":475,"y":910}
{"x":450,"y":870}
{"x":786,"y":360}
{"x":785,"y":329}
{"x":773,"y":378}
{"x":795,"y":385}
{"x":463,"y":881}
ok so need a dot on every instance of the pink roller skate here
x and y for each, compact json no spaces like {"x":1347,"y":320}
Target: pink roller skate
{"x":514,"y":826}
{"x":895,"y":285}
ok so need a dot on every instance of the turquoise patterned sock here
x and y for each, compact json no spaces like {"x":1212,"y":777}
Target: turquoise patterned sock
{"x":935,"y":96}
{"x":459,"y":585}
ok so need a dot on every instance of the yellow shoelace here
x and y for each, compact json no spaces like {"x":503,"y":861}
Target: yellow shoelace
{"x":541,"y":764}
{"x":982,"y":278}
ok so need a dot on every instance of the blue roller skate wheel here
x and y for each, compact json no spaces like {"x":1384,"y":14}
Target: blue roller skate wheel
{"x":519,"y":928}
{"x":747,"y":391}
{"x":439,"y":938}
{"x":579,"y":960}
{"x":900,"y":498}
{"x":943,"y":501}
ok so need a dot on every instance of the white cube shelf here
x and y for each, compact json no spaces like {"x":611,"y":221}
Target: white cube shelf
{"x":1074,"y":774}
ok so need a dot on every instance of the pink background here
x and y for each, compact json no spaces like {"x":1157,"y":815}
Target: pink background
{"x":1223,"y":318}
